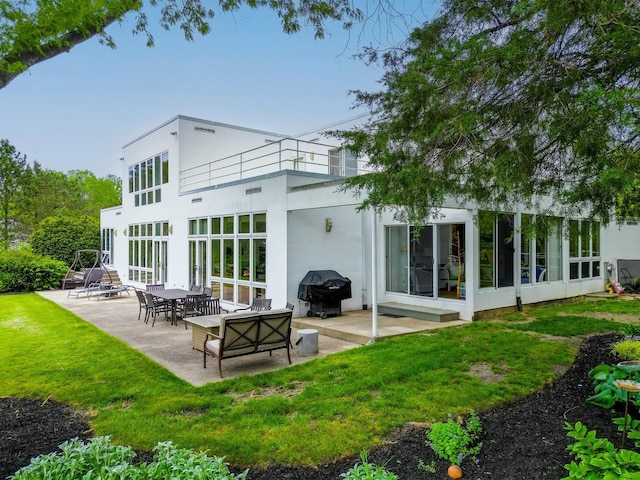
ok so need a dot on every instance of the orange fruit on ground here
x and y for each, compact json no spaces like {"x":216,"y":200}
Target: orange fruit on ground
{"x":454,"y":471}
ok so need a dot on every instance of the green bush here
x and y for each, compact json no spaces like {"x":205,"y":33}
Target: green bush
{"x":22,"y":270}
{"x":627,"y":350}
{"x":100,"y":459}
{"x":60,"y":237}
{"x":607,"y":393}
{"x":598,"y":458}
{"x":454,"y":440}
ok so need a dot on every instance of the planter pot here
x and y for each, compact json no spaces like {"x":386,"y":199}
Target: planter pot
{"x":454,"y":471}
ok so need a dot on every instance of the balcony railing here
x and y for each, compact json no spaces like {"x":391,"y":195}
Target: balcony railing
{"x":286,"y":154}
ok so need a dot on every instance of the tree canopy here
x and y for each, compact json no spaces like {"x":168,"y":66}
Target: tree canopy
{"x":505,"y":102}
{"x":33,"y":31}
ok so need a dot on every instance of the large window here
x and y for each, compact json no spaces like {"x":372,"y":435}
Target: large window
{"x":584,"y":249}
{"x":148,"y":252}
{"x":237,"y":255}
{"x":423,"y":261}
{"x":540,"y":249}
{"x":146,"y":178}
{"x":496,"y":255}
{"x":343,"y":162}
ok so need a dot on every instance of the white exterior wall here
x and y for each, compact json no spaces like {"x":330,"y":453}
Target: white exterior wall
{"x":297,"y":205}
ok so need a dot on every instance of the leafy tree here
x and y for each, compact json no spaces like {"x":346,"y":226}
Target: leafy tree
{"x":12,"y":170}
{"x":504,"y":102}
{"x":60,"y":237}
{"x":97,"y":192}
{"x":46,"y":193}
{"x":31,"y":32}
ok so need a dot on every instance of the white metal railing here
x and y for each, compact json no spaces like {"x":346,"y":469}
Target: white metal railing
{"x":286,"y":154}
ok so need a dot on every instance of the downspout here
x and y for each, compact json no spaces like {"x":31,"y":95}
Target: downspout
{"x":374,"y":276}
{"x":363,"y":225}
{"x":517,"y":241}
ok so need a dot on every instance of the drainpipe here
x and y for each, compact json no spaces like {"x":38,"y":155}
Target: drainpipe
{"x":374,"y":276}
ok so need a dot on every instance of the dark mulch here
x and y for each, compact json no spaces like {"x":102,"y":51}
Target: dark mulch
{"x":525,"y":439}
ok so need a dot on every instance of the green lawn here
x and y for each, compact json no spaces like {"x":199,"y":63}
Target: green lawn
{"x":304,"y":414}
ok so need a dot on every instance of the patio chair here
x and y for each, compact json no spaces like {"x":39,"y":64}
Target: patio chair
{"x":151,"y":287}
{"x":211,"y":306}
{"x":190,"y":307}
{"x":207,"y":291}
{"x":142,"y":303}
{"x":258,"y":305}
{"x":196,"y":289}
{"x":156,"y":306}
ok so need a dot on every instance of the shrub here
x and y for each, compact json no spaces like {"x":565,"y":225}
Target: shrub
{"x":598,"y":458}
{"x":22,"y":270}
{"x":454,"y":440}
{"x":367,"y":471}
{"x":60,"y":237}
{"x":607,"y":394}
{"x":100,"y":459}
{"x":627,"y":350}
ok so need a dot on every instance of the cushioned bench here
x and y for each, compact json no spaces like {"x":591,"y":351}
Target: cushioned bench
{"x":249,"y":332}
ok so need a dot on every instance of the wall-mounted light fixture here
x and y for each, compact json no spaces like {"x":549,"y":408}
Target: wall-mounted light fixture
{"x":175,"y":134}
{"x":328,"y":224}
{"x":124,"y":232}
{"x":170,"y":229}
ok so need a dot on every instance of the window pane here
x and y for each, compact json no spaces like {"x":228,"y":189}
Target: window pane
{"x":158,"y":195}
{"x":541,"y":248}
{"x":397,"y":259}
{"x":244,"y":224}
{"x":137,"y":200}
{"x":554,"y":267}
{"x":136,"y":177}
{"x":243,"y":258}
{"x":131,"y":179}
{"x":165,"y":228}
{"x":585,"y":269}
{"x":215,"y":258}
{"x":585,"y":239}
{"x":227,"y":292}
{"x":259,"y":260}
{"x":485,"y":227}
{"x":595,"y":239}
{"x":227,"y":225}
{"x":157,"y":170}
{"x":150,"y":173}
{"x":595,"y":269}
{"x":504,"y":249}
{"x":260,"y":223}
{"x":215,"y":225}
{"x":243,"y":294}
{"x":193,"y":227}
{"x":143,"y":175}
{"x":203,"y":226}
{"x":574,"y":233}
{"x":165,"y":167}
{"x":574,"y":270}
{"x":259,"y":293}
{"x":227,"y":267}
{"x":525,"y":247}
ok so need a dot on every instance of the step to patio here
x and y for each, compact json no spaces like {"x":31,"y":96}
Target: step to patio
{"x":423,"y":313}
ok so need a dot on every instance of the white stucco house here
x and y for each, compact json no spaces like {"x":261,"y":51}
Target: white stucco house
{"x":249,"y":213}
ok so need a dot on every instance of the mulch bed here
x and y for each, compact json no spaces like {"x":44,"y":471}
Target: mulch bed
{"x":525,"y":439}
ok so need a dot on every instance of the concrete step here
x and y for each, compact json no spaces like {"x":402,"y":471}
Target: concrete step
{"x":349,"y":333}
{"x":414,"y":311}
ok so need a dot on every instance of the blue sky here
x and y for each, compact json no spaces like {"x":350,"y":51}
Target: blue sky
{"x":75,"y":111}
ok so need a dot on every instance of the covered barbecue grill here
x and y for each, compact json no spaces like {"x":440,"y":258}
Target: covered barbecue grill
{"x":324,"y":290}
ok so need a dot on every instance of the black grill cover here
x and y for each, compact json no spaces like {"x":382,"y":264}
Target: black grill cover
{"x":324,"y":286}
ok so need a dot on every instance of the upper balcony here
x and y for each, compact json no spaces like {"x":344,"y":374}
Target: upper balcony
{"x":285,"y":154}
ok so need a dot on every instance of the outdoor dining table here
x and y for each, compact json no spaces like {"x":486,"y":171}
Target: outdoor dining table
{"x":172,"y":295}
{"x":202,"y":325}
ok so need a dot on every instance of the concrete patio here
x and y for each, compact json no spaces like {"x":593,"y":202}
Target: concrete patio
{"x":171,"y":346}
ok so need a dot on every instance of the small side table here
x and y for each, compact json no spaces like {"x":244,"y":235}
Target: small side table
{"x":200,"y":326}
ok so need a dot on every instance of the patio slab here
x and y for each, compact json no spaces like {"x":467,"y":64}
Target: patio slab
{"x":171,"y":346}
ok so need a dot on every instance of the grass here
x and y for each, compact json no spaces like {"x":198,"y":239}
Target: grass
{"x":341,"y":404}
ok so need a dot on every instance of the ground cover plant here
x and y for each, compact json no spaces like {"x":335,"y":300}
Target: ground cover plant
{"x":384,"y":394}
